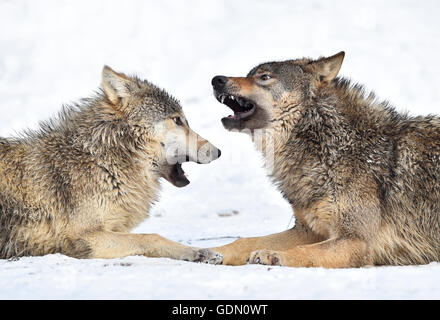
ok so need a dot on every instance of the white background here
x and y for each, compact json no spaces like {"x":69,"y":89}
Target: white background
{"x":52,"y":53}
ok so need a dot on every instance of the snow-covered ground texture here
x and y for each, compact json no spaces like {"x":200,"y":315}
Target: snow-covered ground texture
{"x":52,"y":52}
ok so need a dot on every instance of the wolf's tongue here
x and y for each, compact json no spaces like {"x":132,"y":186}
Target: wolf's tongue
{"x":242,"y":114}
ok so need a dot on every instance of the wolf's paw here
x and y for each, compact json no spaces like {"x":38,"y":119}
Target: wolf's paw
{"x":206,"y":256}
{"x":266,"y":257}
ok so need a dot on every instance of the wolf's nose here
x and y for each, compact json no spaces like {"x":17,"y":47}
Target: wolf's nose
{"x":218,"y":82}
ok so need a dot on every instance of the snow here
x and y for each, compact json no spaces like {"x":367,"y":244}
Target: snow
{"x":52,"y":52}
{"x":61,"y":277}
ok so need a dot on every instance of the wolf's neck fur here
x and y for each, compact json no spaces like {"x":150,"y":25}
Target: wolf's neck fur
{"x":306,"y":147}
{"x":109,"y":159}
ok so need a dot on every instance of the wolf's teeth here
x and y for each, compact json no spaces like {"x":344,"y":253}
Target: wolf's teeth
{"x":232,"y":97}
{"x":222,"y":99}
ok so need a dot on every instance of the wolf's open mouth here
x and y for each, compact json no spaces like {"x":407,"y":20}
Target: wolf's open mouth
{"x":242,"y":107}
{"x":178,"y":177}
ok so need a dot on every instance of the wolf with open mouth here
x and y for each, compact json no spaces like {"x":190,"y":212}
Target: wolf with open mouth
{"x":79,"y":184}
{"x":362,"y":179}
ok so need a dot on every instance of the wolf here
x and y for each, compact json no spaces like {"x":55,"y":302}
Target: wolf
{"x":84,"y":179}
{"x":362,"y":178}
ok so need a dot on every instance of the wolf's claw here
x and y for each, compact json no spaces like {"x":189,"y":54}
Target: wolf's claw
{"x":266,"y":257}
{"x":208,"y":256}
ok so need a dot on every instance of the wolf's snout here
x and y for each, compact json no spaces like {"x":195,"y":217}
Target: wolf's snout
{"x":219,"y":82}
{"x":217,"y":153}
{"x":208,"y":153}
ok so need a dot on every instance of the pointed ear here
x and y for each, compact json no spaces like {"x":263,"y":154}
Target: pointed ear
{"x":328,"y":68}
{"x":116,"y":85}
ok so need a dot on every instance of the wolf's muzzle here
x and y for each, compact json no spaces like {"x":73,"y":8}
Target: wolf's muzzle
{"x":206,"y":154}
{"x":219,"y":82}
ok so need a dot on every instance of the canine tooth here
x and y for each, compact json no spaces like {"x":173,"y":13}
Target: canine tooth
{"x":222,"y":98}
{"x":232,"y":97}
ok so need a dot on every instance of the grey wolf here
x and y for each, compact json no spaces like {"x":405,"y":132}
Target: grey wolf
{"x":80,"y":183}
{"x":362,"y":178}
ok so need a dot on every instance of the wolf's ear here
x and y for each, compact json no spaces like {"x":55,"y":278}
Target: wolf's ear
{"x":116,"y":85}
{"x":328,"y":68}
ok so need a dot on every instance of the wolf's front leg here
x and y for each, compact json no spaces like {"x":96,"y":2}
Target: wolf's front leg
{"x":106,"y":244}
{"x":333,"y":253}
{"x":238,"y":252}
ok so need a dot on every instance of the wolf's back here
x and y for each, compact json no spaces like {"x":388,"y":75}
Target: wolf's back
{"x":3,"y":142}
{"x":5,"y":147}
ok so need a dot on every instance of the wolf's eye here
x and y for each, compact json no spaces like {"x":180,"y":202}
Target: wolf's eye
{"x":265,"y":77}
{"x":178,"y":121}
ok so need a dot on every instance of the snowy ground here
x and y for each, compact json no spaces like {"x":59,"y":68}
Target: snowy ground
{"x":52,"y":52}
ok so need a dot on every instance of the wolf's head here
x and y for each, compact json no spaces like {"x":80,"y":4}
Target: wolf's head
{"x":272,"y":92}
{"x":158,"y":121}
